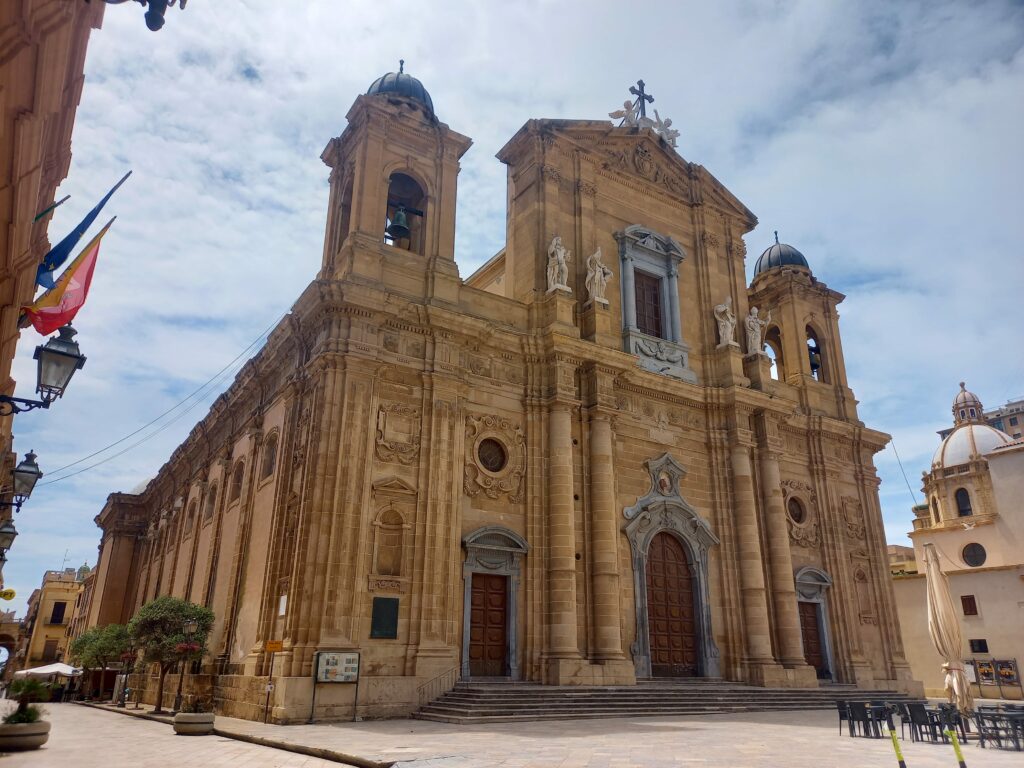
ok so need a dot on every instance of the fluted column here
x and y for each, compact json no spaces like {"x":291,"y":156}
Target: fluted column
{"x":787,"y":617}
{"x":604,"y":532}
{"x":562,"y":638}
{"x":757,"y":637}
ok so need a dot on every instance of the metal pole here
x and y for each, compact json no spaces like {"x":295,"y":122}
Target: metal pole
{"x":896,"y":747}
{"x":956,"y":746}
{"x":312,"y":704}
{"x":355,"y":701}
{"x":270,"y":687}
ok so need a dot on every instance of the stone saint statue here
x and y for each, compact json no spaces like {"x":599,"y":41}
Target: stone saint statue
{"x":598,"y":276}
{"x":726,"y":323}
{"x":755,"y":331}
{"x":558,"y":266}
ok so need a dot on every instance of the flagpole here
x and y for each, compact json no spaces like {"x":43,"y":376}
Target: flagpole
{"x":49,"y":208}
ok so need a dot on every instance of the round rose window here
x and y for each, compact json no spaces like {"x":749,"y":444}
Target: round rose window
{"x":974,"y":555}
{"x":492,"y":455}
{"x":796,"y":510}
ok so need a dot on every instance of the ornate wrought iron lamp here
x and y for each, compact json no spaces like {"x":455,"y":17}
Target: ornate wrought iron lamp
{"x":156,"y":10}
{"x":58,"y":360}
{"x":25,"y":475}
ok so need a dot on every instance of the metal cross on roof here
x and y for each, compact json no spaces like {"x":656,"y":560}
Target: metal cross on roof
{"x":641,"y":97}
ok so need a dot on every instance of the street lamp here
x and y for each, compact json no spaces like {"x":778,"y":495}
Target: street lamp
{"x":58,"y":360}
{"x":25,"y":475}
{"x":189,"y":628}
{"x":157,"y":9}
{"x":7,"y":534}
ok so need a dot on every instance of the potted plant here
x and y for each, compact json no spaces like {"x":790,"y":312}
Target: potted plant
{"x":195,"y":718}
{"x":24,"y":728}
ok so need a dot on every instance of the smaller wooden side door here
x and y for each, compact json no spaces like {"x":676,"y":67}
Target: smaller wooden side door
{"x":488,"y":626}
{"x":810,"y":630}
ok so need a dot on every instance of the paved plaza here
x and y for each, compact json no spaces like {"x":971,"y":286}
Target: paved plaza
{"x":92,"y":738}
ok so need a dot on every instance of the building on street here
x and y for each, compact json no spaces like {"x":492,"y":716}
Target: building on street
{"x":578,"y":466}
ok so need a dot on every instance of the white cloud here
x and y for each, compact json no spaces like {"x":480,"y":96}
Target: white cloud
{"x":881,"y":139}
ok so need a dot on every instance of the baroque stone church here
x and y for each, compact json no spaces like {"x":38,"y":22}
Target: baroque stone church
{"x":571,"y":467}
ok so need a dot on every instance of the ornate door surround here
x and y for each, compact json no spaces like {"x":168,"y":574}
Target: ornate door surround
{"x":663,"y":509}
{"x":811,"y":586}
{"x":497,"y":550}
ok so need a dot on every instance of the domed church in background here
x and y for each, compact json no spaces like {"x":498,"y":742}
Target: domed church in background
{"x":601,"y":458}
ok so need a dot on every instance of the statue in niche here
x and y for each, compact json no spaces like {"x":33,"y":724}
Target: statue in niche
{"x":755,"y":331}
{"x":664,"y":483}
{"x":598,"y":276}
{"x":558,"y":266}
{"x":726,"y":323}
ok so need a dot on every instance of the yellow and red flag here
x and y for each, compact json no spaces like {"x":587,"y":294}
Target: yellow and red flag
{"x":59,"y":305}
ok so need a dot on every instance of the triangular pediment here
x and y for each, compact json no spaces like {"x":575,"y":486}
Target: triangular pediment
{"x":393,"y":484}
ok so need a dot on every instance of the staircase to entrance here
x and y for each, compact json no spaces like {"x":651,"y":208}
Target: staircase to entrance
{"x":495,"y":702}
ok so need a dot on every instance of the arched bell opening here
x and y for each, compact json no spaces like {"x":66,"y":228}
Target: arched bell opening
{"x":404,"y":222}
{"x":773,"y":348}
{"x":816,"y":356}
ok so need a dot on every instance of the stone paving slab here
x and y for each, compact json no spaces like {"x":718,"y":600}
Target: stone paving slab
{"x":742,"y":740}
{"x":83,"y":737}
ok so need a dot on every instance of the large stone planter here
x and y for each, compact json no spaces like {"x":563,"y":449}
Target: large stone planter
{"x":23,"y":735}
{"x":193,"y":723}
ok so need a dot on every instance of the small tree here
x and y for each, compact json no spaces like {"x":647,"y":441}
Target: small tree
{"x":99,"y":646}
{"x":158,"y":630}
{"x":27,"y":691}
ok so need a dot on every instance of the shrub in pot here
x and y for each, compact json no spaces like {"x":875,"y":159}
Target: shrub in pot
{"x":24,"y":728}
{"x":195,"y":718}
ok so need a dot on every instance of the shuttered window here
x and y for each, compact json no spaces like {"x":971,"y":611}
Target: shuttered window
{"x":648,"y":304}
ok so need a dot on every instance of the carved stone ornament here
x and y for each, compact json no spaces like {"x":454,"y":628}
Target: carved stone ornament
{"x":663,"y":510}
{"x":398,"y":433}
{"x":508,"y":480}
{"x":805,"y":533}
{"x":853,"y":517}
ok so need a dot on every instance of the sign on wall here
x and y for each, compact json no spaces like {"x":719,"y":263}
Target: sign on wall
{"x":986,"y":672}
{"x":969,"y":671}
{"x":1007,"y":671}
{"x":337,"y":667}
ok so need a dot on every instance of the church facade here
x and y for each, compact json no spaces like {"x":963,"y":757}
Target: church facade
{"x":601,"y":458}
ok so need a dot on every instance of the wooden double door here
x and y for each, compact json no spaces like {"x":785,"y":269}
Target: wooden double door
{"x":488,"y":626}
{"x":671,"y":610}
{"x":810,"y":631}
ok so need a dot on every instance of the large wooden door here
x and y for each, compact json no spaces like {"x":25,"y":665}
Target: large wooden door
{"x":488,"y":630}
{"x":810,"y":630}
{"x":671,"y":621}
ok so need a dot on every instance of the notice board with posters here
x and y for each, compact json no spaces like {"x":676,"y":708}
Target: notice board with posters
{"x":337,"y":667}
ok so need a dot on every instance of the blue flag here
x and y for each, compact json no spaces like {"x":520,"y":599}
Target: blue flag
{"x":60,"y":252}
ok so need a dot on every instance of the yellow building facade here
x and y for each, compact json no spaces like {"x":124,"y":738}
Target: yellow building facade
{"x":577,"y":466}
{"x":47,"y":618}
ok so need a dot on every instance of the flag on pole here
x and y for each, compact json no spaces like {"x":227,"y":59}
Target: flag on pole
{"x":60,"y":252}
{"x":59,"y":305}
{"x":50,"y":207}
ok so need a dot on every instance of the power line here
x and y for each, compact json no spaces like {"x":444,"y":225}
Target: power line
{"x":212,"y":380}
{"x":913,"y":496}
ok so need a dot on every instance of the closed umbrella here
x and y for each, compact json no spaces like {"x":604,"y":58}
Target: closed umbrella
{"x":945,"y":630}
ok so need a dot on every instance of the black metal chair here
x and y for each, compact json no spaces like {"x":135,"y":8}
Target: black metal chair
{"x":921,"y":723}
{"x":844,"y":715}
{"x":951,"y":719}
{"x":859,"y":714}
{"x":901,"y":710}
{"x":991,"y":727}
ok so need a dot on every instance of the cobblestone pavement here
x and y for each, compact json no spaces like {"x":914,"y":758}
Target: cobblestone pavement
{"x":82,"y":737}
{"x":751,"y":740}
{"x":90,"y":738}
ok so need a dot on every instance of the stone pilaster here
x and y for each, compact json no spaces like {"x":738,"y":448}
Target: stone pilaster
{"x":604,"y":533}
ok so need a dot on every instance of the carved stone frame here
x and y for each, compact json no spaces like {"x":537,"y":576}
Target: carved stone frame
{"x":497,"y":550}
{"x":663,"y":509}
{"x":811,"y":585}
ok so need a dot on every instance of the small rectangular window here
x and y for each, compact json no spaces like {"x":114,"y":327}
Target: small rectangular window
{"x":50,"y":651}
{"x":384,"y":623}
{"x":57,"y":616}
{"x":969,"y":604}
{"x":979,"y":646}
{"x":1013,"y":421}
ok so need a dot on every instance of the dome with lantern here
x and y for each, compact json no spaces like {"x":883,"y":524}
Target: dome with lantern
{"x":972,"y":438}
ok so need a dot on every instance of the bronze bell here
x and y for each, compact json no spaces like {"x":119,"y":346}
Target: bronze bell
{"x":398,"y":229}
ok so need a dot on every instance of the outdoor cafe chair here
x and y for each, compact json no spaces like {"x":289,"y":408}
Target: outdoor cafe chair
{"x":859,"y":714}
{"x":992,"y":727}
{"x":921,"y":724}
{"x":844,"y":715}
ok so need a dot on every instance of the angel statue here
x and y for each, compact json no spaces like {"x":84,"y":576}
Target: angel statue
{"x":664,"y":129}
{"x":627,"y":114}
{"x":558,"y":266}
{"x":755,"y":331}
{"x":598,"y":276}
{"x":726,"y":322}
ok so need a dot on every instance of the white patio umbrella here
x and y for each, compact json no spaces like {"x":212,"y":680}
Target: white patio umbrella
{"x":65,"y":670}
{"x":945,"y":630}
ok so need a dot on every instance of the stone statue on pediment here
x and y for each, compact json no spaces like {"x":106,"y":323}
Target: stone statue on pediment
{"x":755,"y":331}
{"x":627,"y":114}
{"x":726,"y":323}
{"x":558,"y":266}
{"x":664,"y":129}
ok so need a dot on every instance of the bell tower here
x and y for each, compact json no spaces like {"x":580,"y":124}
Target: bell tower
{"x":802,"y":336}
{"x":394,"y":170}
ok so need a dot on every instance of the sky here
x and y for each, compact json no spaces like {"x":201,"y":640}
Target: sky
{"x":881,"y":139}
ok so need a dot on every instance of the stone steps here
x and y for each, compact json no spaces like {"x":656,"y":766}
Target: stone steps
{"x":493,"y":702}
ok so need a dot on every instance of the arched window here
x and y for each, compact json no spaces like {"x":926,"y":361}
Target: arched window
{"x":237,"y":476}
{"x":816,"y":355}
{"x":269,"y":457}
{"x":935,"y":511}
{"x":211,"y":502}
{"x":390,"y":539}
{"x":190,"y":516}
{"x":404,"y":223}
{"x":963,"y":503}
{"x":773,"y":348}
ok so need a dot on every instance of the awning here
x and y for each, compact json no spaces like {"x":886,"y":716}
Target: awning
{"x":66,"y":670}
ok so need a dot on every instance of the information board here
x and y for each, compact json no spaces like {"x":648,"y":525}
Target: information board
{"x":1006,"y":670}
{"x":986,"y":672}
{"x":337,"y":667}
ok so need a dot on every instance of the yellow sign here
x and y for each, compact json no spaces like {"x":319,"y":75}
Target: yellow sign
{"x":274,"y":646}
{"x":7,"y":594}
